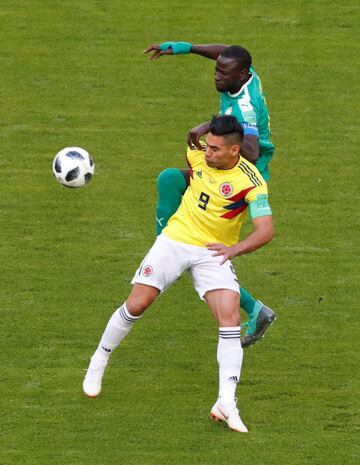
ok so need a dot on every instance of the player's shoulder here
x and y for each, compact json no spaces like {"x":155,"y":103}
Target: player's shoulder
{"x":250,"y":173}
{"x":252,"y":70}
{"x":255,"y":87}
{"x":194,"y":156}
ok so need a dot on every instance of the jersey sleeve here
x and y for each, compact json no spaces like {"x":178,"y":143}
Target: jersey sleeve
{"x":244,"y":112}
{"x":254,"y":193}
{"x":256,"y":182}
{"x":247,"y":117}
{"x":258,"y":202}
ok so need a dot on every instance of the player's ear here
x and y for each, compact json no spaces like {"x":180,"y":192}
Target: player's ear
{"x":235,"y":150}
{"x":243,"y":73}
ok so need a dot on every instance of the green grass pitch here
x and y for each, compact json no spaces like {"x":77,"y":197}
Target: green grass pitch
{"x":73,"y":73}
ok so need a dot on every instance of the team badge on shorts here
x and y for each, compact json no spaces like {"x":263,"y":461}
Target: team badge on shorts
{"x":147,"y":271}
{"x":226,"y":189}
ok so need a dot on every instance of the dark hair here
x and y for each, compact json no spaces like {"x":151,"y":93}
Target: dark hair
{"x":239,"y":54}
{"x":226,"y":125}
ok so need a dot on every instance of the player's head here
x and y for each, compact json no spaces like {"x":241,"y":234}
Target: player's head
{"x":223,"y":142}
{"x":232,"y":69}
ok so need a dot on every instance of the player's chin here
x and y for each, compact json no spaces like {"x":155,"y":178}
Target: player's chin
{"x":210,"y":164}
{"x":220,"y":87}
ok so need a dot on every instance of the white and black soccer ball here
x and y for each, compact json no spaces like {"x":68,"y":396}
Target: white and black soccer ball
{"x":73,"y":167}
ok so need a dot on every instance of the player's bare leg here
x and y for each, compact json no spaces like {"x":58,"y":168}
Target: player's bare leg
{"x":118,"y":327}
{"x":224,"y":305}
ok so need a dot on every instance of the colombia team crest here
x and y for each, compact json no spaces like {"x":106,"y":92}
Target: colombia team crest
{"x":226,"y":189}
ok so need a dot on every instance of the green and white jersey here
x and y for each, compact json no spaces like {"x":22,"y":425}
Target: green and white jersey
{"x":249,"y":108}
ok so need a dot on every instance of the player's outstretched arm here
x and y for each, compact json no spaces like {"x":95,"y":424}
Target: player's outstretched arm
{"x":262,"y":234}
{"x":211,"y":51}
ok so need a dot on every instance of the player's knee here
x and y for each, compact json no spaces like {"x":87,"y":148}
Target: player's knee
{"x":140,"y":298}
{"x":171,"y":179}
{"x":229,"y":317}
{"x":137,"y":305}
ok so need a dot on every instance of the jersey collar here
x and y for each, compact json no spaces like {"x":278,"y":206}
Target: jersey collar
{"x":241,"y":88}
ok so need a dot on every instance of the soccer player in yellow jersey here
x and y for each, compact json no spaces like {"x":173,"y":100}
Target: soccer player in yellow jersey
{"x":202,"y":237}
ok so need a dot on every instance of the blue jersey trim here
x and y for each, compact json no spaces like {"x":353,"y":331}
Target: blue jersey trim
{"x":249,"y":128}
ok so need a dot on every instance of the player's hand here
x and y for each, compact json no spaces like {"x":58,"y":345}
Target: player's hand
{"x":157,"y":53}
{"x":221,"y":249}
{"x":193,"y":138}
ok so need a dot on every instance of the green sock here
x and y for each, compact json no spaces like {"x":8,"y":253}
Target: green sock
{"x":171,"y":186}
{"x":247,"y":302}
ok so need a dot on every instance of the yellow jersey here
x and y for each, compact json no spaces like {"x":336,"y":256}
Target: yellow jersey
{"x":214,"y":205}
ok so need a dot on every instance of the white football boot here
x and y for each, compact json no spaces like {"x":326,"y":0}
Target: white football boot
{"x":93,"y":377}
{"x":228,"y":413}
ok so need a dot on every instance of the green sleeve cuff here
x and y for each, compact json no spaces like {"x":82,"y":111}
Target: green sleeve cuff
{"x":178,"y":48}
{"x":259,"y":207}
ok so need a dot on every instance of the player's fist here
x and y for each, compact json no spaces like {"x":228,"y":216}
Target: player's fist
{"x":193,"y":138}
{"x":157,"y":52}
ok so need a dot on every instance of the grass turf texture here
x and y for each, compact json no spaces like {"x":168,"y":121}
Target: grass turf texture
{"x":74,"y":74}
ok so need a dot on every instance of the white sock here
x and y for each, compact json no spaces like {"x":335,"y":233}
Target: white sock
{"x":229,"y":357}
{"x":116,"y":330}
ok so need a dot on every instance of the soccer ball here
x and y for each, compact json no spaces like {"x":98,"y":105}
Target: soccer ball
{"x":73,"y":167}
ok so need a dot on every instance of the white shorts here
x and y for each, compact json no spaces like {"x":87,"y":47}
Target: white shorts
{"x":168,"y":259}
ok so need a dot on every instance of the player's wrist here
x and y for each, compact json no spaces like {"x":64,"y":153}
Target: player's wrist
{"x":178,"y":48}
{"x":237,"y":249}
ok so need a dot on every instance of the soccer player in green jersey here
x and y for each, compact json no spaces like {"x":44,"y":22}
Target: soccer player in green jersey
{"x":241,"y":95}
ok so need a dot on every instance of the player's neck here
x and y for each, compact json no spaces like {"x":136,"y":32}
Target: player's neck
{"x":239,"y":85}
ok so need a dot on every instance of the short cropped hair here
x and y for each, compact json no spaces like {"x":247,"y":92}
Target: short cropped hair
{"x":226,"y":126}
{"x":239,"y":54}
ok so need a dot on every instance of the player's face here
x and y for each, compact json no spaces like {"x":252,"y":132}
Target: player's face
{"x":219,"y":155}
{"x":229,"y":77}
